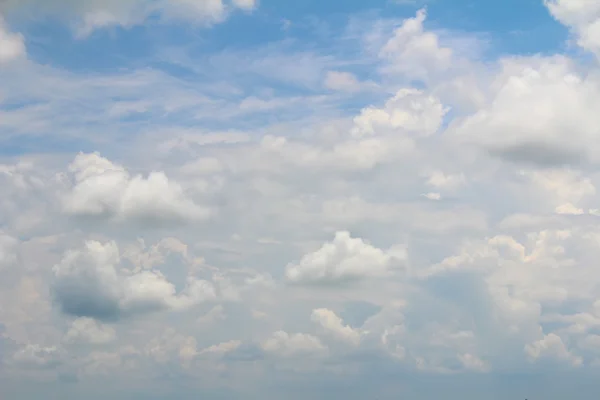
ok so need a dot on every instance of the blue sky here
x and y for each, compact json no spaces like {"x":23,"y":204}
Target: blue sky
{"x":315,"y":199}
{"x":515,"y":27}
{"x":314,"y":33}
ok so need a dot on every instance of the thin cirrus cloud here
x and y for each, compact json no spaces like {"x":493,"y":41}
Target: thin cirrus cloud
{"x":92,"y":15}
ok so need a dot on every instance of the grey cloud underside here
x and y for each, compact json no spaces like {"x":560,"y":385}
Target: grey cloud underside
{"x":541,"y":154}
{"x":79,"y":301}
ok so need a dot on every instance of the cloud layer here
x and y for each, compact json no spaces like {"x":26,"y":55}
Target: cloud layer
{"x":405,"y":216}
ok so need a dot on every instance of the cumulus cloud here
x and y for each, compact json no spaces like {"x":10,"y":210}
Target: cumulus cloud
{"x":344,"y":258}
{"x":522,"y":123}
{"x":583,"y":17}
{"x":89,"y":284}
{"x":333,"y":325}
{"x":525,"y":266}
{"x":106,"y":190}
{"x":518,"y":281}
{"x":552,"y":346}
{"x":410,"y":111}
{"x":415,"y":52}
{"x":379,"y":135}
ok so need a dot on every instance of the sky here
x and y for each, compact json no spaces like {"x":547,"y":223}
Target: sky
{"x":261,"y":199}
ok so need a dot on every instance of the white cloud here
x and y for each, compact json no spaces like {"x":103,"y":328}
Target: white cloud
{"x":246,"y":4}
{"x":410,"y":111}
{"x":333,"y":325}
{"x":415,"y":52}
{"x":391,"y":339}
{"x":522,"y":123}
{"x":12,"y":45}
{"x":346,"y":82}
{"x":106,"y":190}
{"x":563,"y":185}
{"x":88,"y":284}
{"x":284,"y":344}
{"x":345,"y":258}
{"x":337,"y":80}
{"x":569,"y":209}
{"x":440,"y":180}
{"x":222,"y":348}
{"x":87,"y":330}
{"x":433,"y":196}
{"x":473,"y":363}
{"x":583,"y":17}
{"x":351,"y":154}
{"x":552,"y":345}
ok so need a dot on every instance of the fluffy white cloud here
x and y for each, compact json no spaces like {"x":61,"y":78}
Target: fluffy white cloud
{"x":106,"y":190}
{"x":334,"y":326}
{"x":415,"y":52}
{"x":522,"y":123}
{"x":552,"y":345}
{"x":583,"y":17}
{"x":344,"y":258}
{"x":538,"y":270}
{"x":88,"y":284}
{"x":409,"y":112}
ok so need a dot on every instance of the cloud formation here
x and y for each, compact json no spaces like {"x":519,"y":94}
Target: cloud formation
{"x":105,"y":190}
{"x":385,"y":208}
{"x":344,"y":258}
{"x":88,"y":284}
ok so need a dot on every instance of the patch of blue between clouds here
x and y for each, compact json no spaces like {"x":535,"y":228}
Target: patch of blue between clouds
{"x":517,"y":27}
